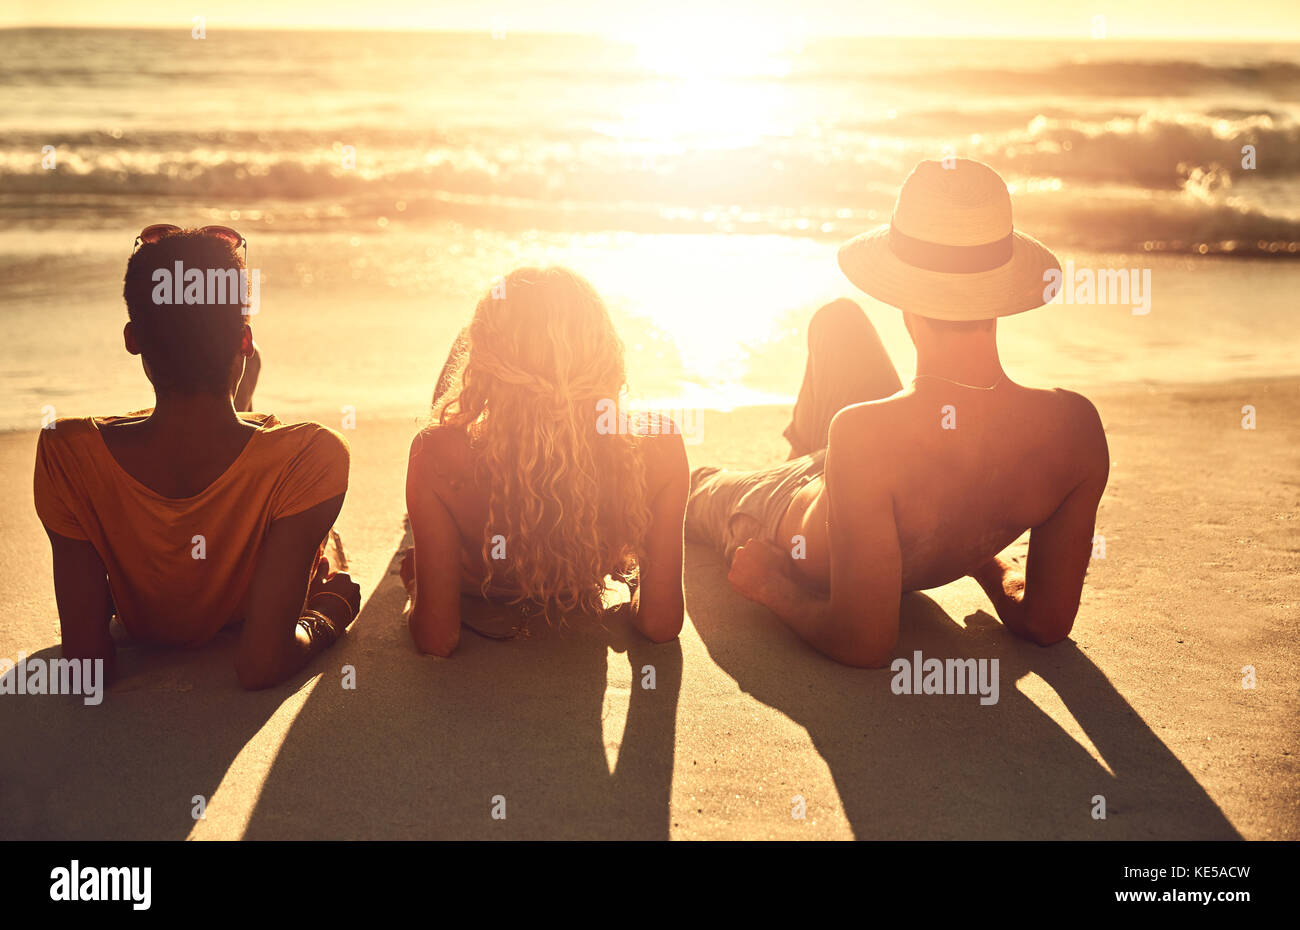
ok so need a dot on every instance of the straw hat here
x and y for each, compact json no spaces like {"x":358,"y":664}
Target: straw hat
{"x":950,"y":252}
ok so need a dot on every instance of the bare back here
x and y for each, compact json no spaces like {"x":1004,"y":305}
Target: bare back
{"x":448,"y":500}
{"x":464,"y":491}
{"x":966,"y":472}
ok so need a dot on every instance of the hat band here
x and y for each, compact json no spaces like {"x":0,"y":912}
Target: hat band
{"x":953,"y":259}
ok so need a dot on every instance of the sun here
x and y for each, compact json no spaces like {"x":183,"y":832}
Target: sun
{"x":716,"y":47}
{"x":708,"y":82}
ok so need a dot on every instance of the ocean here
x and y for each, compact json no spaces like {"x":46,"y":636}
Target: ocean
{"x":385,"y":180}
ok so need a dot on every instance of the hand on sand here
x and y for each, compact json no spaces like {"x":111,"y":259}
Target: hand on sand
{"x":320,"y":574}
{"x":999,"y":574}
{"x":334,"y":583}
{"x":1004,"y":583}
{"x":754,"y":566}
{"x":329,"y":559}
{"x":1013,"y":582}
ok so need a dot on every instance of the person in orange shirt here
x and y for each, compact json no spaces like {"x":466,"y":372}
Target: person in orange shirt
{"x":195,"y":514}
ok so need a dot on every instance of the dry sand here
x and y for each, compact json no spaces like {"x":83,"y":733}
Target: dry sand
{"x":1145,"y":706}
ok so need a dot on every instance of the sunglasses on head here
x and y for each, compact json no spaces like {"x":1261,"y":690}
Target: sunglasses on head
{"x":161,"y":230}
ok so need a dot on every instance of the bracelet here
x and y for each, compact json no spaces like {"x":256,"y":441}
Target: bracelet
{"x":318,"y":627}
{"x":339,"y":596}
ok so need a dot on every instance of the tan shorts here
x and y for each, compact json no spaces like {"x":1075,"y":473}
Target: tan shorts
{"x":719,"y":496}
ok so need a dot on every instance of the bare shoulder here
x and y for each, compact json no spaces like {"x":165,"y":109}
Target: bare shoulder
{"x":1080,"y":429}
{"x":663,"y":452}
{"x":870,"y":432}
{"x":440,"y":453}
{"x":1082,"y":418}
{"x":874,"y":425}
{"x":1076,"y":405}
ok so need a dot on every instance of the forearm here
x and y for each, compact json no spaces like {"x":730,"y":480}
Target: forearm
{"x":84,"y":602}
{"x":433,"y":609}
{"x":248,"y":382}
{"x":432,"y":637}
{"x":105,"y":652}
{"x":808,"y":614}
{"x":656,"y":614}
{"x":318,"y":628}
{"x":82,"y":639}
{"x":311,"y":637}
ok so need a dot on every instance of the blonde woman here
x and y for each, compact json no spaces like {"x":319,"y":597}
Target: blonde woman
{"x":521,"y":491}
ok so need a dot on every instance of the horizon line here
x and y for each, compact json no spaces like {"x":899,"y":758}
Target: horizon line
{"x":1217,"y":39}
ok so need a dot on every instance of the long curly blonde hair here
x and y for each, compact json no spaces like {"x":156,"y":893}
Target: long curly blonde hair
{"x":541,"y":356}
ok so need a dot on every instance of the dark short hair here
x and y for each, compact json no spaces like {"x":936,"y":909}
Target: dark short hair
{"x":189,"y":347}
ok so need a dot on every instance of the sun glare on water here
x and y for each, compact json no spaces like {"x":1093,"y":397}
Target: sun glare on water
{"x":718,"y":82}
{"x":715,"y":87}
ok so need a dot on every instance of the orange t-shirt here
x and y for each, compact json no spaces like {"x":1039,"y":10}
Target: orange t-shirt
{"x":167,"y":585}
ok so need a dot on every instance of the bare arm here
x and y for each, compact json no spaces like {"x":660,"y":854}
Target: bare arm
{"x":1041,"y":604}
{"x":657,"y":605}
{"x":248,"y":381}
{"x":434,"y":620}
{"x":82,"y":594}
{"x":858,"y":623}
{"x":272,"y":644}
{"x":1059,"y":551}
{"x":1004,"y":583}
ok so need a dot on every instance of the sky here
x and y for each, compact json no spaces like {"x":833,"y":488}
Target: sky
{"x":1276,"y":20}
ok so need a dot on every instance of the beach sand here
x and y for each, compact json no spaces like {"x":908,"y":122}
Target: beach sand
{"x":1144,"y":706}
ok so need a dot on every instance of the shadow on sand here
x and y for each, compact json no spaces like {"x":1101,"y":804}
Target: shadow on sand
{"x":418,"y":750}
{"x":947,"y":767}
{"x":422,"y":746}
{"x":128,"y":768}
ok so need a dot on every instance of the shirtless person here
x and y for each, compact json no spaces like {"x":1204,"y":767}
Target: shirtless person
{"x":891,"y":489}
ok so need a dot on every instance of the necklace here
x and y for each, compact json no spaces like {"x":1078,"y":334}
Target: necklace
{"x":973,"y":387}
